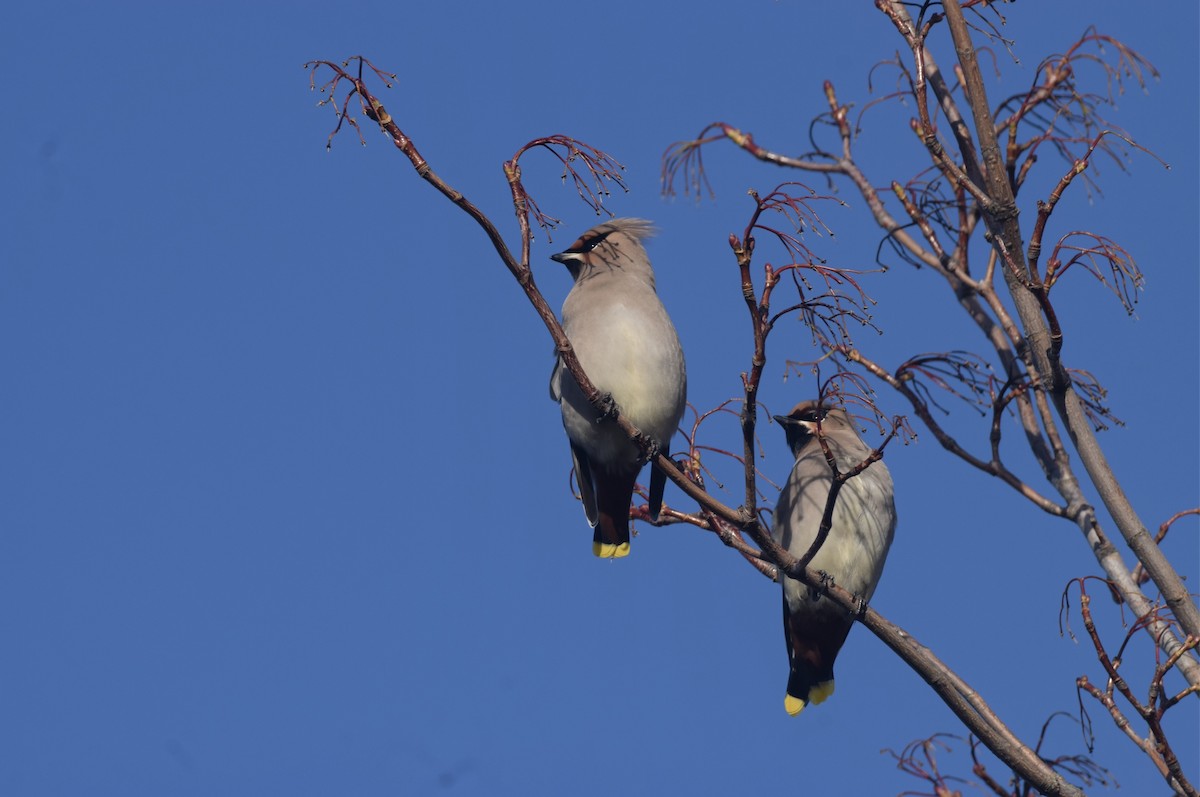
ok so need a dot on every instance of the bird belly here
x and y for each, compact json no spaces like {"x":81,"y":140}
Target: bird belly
{"x":645,"y":378}
{"x":854,"y":552}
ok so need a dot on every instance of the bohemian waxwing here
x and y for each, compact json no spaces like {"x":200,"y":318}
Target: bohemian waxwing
{"x":864,"y":519}
{"x":627,"y":346}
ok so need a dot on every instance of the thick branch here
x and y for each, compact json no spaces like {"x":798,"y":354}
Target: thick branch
{"x":1001,"y":217}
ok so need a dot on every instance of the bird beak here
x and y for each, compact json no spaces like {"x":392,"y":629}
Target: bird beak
{"x":786,"y":420}
{"x":564,"y":257}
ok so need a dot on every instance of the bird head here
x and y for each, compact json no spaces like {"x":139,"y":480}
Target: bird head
{"x":801,"y":424}
{"x":614,"y":246}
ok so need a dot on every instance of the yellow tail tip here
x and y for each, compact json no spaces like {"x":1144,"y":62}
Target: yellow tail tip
{"x":816,"y":695}
{"x":606,"y":550}
{"x":820,"y":693}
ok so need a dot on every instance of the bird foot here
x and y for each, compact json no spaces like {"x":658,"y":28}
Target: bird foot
{"x":825,"y":581}
{"x":608,"y":408}
{"x":652,"y":448}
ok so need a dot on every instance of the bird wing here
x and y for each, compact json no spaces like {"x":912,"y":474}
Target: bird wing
{"x":583,"y":477}
{"x":555,"y":389}
{"x":658,"y":481}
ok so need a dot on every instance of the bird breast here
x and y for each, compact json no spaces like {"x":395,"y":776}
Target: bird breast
{"x":629,"y":349}
{"x":864,"y":520}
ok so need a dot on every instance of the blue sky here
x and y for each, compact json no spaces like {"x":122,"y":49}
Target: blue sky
{"x":285,"y":504}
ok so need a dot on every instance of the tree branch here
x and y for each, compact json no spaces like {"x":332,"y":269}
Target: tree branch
{"x":1001,"y":217}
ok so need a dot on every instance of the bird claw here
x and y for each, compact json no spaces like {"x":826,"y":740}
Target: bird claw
{"x":825,"y":581}
{"x":652,"y":448}
{"x":608,"y":408}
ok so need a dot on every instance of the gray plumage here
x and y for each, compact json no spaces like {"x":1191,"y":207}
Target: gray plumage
{"x":628,"y":347}
{"x":853,"y":554}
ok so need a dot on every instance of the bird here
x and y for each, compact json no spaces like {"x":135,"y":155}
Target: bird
{"x":630,"y":350}
{"x":853,"y":553}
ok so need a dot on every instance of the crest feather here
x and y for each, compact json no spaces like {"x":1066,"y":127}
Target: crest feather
{"x":638,"y":229}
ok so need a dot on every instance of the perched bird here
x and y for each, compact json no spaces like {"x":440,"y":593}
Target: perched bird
{"x":864,"y":519}
{"x":627,"y":346}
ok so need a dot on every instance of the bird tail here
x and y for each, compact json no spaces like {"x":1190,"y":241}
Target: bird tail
{"x":814,"y":634}
{"x":805,"y":687}
{"x":614,"y":492}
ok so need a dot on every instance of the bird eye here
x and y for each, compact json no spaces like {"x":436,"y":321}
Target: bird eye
{"x":591,"y":244}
